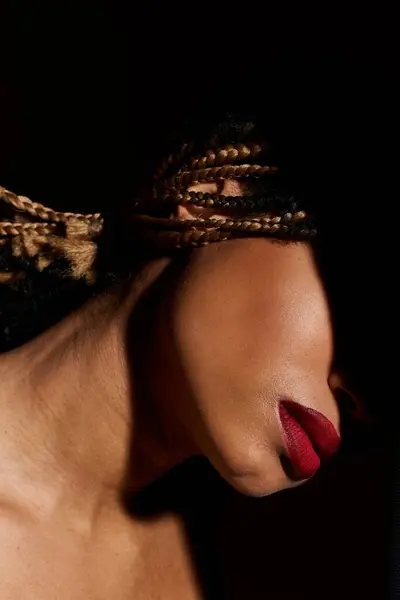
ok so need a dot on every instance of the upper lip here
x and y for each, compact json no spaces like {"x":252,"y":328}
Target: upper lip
{"x":310,"y":437}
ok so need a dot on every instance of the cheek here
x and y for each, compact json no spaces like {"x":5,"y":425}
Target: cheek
{"x":249,"y":330}
{"x":239,"y":368}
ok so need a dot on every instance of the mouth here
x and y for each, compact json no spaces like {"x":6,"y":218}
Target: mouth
{"x":310,"y":438}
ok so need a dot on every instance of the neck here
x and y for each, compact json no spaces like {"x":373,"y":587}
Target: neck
{"x":75,"y":412}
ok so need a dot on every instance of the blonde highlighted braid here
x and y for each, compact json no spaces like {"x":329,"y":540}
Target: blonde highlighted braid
{"x":42,"y":234}
{"x":255,"y":213}
{"x":36,"y":232}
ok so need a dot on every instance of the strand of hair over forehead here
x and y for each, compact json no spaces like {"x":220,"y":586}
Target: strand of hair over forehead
{"x":41,"y":234}
{"x":180,"y":171}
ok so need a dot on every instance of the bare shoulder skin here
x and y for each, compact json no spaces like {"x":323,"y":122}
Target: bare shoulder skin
{"x":195,"y":359}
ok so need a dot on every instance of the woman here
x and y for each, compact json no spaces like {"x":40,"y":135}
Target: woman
{"x":201,"y":329}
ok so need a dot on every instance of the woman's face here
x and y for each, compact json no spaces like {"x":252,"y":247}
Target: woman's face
{"x":248,"y":353}
{"x":251,"y":339}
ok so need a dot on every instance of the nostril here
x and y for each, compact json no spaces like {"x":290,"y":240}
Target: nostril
{"x":347,"y":404}
{"x":357,"y":428}
{"x":351,"y":409}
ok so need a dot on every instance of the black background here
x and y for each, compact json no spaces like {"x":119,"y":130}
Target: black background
{"x":90,"y":88}
{"x":89,"y":91}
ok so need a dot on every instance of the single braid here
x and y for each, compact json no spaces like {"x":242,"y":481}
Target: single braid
{"x":228,"y":154}
{"x":15,"y":229}
{"x":187,"y":178}
{"x":187,"y":233}
{"x":249,"y":202}
{"x":25,"y":205}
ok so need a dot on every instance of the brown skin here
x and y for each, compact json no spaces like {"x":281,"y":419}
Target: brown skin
{"x":132,"y":384}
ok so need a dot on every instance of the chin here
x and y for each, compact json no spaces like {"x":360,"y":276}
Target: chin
{"x":258,"y":485}
{"x":254,"y":489}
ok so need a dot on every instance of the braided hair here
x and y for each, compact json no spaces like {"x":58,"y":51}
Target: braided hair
{"x":49,"y":259}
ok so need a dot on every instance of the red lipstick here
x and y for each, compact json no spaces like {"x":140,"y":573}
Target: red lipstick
{"x":310,"y":437}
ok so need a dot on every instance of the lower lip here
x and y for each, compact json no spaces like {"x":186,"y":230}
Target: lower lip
{"x":310,"y":437}
{"x":302,"y":455}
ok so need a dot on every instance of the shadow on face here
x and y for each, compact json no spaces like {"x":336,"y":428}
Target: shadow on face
{"x":244,"y":326}
{"x":229,"y":330}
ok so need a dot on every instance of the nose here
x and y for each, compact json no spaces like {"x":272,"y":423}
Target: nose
{"x":350,"y":405}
